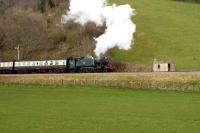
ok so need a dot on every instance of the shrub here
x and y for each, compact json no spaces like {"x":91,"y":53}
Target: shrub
{"x":57,"y":37}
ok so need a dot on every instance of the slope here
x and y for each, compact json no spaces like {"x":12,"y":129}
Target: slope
{"x":166,"y":29}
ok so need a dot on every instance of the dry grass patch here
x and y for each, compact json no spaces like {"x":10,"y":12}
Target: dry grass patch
{"x":162,"y":81}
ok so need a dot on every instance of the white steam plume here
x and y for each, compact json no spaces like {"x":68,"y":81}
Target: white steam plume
{"x":120,"y":28}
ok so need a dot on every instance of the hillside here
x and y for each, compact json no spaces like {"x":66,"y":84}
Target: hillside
{"x":36,"y":27}
{"x":166,"y":29}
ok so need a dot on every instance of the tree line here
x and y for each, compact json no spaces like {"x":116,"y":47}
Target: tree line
{"x":41,"y":5}
{"x":196,"y":1}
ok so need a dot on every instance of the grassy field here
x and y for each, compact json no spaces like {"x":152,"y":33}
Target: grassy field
{"x":31,"y":109}
{"x":166,"y":29}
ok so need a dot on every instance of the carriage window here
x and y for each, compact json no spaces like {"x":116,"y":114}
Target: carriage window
{"x":28,"y":63}
{"x":46,"y":63}
{"x":24,"y":63}
{"x":56,"y":62}
{"x":51,"y":63}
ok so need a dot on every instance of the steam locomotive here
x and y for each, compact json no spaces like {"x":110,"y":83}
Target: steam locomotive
{"x":71,"y":65}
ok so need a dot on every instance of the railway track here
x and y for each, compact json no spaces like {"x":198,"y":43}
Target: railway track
{"x":105,"y":74}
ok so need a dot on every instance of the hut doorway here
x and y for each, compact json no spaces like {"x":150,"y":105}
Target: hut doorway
{"x":169,"y":67}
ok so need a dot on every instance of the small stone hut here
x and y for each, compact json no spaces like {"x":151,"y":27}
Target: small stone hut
{"x":163,"y":66}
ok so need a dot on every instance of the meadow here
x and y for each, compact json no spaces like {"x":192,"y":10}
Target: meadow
{"x":31,"y":109}
{"x":166,"y":29}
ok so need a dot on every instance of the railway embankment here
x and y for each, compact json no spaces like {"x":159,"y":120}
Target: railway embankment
{"x":153,"y":81}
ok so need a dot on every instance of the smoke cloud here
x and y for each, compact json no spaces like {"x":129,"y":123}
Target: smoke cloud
{"x":120,"y":28}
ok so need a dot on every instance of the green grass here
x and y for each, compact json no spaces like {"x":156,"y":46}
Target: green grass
{"x":166,"y":29}
{"x":36,"y":109}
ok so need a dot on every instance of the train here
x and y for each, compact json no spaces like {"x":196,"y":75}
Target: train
{"x":86,"y":64}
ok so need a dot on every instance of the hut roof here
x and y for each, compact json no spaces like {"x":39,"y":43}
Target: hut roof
{"x":156,"y":61}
